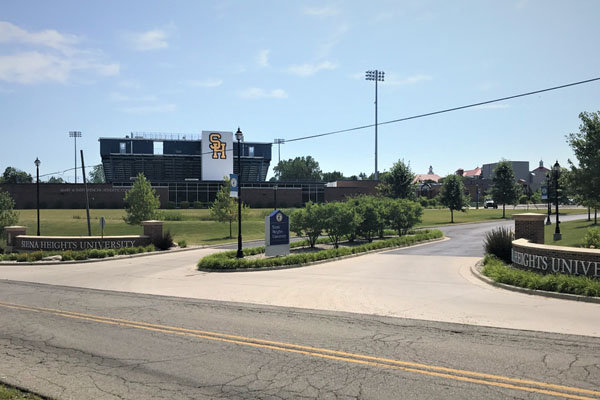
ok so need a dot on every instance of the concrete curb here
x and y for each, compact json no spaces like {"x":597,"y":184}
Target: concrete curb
{"x":476,"y":270}
{"x":320,"y":261}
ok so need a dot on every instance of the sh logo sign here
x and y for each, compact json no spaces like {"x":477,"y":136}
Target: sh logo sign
{"x":217,"y":146}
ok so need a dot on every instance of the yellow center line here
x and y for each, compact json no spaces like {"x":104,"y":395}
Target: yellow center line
{"x":425,"y":369}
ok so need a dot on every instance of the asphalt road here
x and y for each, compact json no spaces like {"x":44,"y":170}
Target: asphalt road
{"x":72,"y":343}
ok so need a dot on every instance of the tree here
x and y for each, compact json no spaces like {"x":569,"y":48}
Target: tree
{"x":97,"y":174}
{"x":398,"y":182}
{"x":54,"y":179}
{"x":224,"y":208}
{"x":13,"y":175}
{"x":372,"y":219}
{"x":141,"y":201}
{"x":504,"y":189}
{"x":309,"y":221}
{"x":341,"y":219}
{"x":332,"y":176}
{"x":453,"y":195}
{"x":403,"y":214}
{"x":585,"y":144}
{"x":8,"y":216}
{"x":298,"y":169}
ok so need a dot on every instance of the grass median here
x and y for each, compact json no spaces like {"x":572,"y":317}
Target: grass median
{"x":500,"y":272}
{"x":195,"y":226}
{"x":227,"y":260}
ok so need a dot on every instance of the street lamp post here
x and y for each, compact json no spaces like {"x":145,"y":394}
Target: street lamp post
{"x":275,"y":190}
{"x":548,"y":222}
{"x":375,"y":76}
{"x":556,"y":170}
{"x":37,"y":163}
{"x":239,"y":136}
{"x":75,"y":135}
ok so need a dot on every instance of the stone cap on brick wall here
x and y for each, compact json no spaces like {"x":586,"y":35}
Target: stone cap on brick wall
{"x":560,"y":249}
{"x":529,"y":217}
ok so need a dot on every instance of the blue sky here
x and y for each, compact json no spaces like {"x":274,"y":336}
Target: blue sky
{"x":286,"y":69}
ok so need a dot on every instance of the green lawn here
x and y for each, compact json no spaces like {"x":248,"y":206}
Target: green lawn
{"x":442,"y":216}
{"x":572,"y":232}
{"x":196,"y":226}
{"x":7,"y":393}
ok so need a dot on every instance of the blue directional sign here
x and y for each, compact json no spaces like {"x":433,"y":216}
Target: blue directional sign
{"x":544,"y":192}
{"x":279,"y":228}
{"x":233,"y":183}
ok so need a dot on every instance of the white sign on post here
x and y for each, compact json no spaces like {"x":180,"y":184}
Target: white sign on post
{"x":217,"y":155}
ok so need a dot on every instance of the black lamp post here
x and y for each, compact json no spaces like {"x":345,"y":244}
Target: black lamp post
{"x":37,"y":163}
{"x":239,"y":136}
{"x":556,"y":171}
{"x":275,"y":191}
{"x":548,"y":222}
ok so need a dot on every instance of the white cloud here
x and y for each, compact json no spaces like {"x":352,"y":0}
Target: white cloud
{"x":119,"y":97}
{"x":256,"y":93}
{"x":155,"y":39}
{"x":53,"y":58}
{"x":149,"y":109}
{"x":411,"y":80}
{"x":207,"y":83}
{"x":491,"y":106}
{"x":263,"y":58}
{"x":327,"y":11}
{"x":311,"y":69}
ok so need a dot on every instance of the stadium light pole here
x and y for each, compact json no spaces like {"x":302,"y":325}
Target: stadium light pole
{"x":376,"y":76}
{"x":279,"y":142}
{"x":239,"y":136}
{"x":75,"y":135}
{"x":37,"y":163}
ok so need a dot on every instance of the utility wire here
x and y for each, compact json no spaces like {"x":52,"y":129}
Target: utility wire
{"x":403,"y":119}
{"x":442,"y":111}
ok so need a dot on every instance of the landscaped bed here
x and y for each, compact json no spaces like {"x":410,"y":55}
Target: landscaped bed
{"x":69,"y":255}
{"x":301,"y":254}
{"x":500,"y":272}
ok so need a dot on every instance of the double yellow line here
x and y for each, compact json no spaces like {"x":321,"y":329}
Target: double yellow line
{"x":424,"y":369}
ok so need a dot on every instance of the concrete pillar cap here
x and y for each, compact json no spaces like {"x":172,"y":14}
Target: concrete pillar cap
{"x":529,"y":217}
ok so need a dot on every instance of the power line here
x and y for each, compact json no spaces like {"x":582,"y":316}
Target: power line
{"x":442,"y":111}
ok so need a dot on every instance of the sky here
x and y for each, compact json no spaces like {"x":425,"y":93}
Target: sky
{"x":289,"y":69}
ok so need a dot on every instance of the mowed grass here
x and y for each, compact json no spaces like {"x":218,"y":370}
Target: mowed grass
{"x":442,"y":216}
{"x":8,"y":393}
{"x":572,"y":232}
{"x":196,"y":227}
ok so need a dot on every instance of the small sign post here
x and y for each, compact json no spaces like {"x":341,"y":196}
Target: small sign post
{"x":233,"y":185}
{"x":102,"y":225}
{"x":277,"y":234}
{"x":544,"y":192}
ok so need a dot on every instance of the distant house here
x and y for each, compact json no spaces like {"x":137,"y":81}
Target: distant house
{"x":469,"y":173}
{"x":429,"y":177}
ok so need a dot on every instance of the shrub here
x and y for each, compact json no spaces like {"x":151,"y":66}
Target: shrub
{"x":165,"y":242}
{"x":198,"y":204}
{"x":499,"y":243}
{"x":182,"y":244}
{"x":171,"y":205}
{"x":170,"y":216}
{"x":309,"y":221}
{"x":184,"y":204}
{"x":592,"y":238}
{"x":141,"y":201}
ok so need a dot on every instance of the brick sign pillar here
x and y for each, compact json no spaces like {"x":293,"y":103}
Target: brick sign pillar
{"x":530,"y":226}
{"x":153,"y":229}
{"x":12,"y":232}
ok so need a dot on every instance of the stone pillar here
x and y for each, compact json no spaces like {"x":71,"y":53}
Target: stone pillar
{"x":530,"y":226}
{"x":12,"y":232}
{"x":153,"y":229}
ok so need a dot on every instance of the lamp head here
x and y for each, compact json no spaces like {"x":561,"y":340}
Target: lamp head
{"x":556,"y":167}
{"x":37,"y":162}
{"x":239,"y":135}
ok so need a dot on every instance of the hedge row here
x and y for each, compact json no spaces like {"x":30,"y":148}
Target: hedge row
{"x":227,"y":260}
{"x":562,"y":283}
{"x":69,"y":255}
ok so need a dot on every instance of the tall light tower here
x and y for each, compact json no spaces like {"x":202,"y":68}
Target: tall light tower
{"x":75,"y":135}
{"x":375,"y":76}
{"x":279,"y":142}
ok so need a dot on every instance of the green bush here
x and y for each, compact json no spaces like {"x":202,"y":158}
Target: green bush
{"x":227,"y":260}
{"x":198,"y":204}
{"x":184,"y":204}
{"x":591,"y":239}
{"x":170,"y":216}
{"x":498,"y":242}
{"x":171,"y":205}
{"x":182,"y":244}
{"x":499,"y":272}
